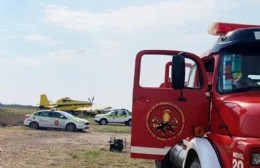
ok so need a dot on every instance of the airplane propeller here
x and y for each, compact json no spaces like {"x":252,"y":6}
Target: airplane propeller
{"x":91,"y":100}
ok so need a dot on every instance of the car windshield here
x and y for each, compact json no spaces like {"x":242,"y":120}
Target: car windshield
{"x":239,"y":69}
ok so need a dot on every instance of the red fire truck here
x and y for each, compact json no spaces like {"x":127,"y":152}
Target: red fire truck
{"x":191,"y":111}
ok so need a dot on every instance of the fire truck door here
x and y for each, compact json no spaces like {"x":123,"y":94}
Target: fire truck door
{"x":163,"y":116}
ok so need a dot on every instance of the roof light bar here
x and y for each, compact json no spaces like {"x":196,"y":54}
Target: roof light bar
{"x":220,"y":28}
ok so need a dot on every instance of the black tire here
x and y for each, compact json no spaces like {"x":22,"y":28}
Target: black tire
{"x":103,"y":122}
{"x":71,"y":127}
{"x":195,"y":163}
{"x":86,"y":113}
{"x":165,"y":163}
{"x":129,"y":122}
{"x":34,"y":125}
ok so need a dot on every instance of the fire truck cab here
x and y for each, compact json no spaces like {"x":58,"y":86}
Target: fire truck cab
{"x":200,"y":111}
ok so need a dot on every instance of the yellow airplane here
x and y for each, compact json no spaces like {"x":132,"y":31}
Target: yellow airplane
{"x":64,"y":104}
{"x":69,"y":105}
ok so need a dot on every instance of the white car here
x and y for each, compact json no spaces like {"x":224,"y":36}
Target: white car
{"x":55,"y":119}
{"x":114,"y":116}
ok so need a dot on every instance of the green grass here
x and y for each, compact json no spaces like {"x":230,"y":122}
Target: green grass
{"x":102,"y":158}
{"x":88,"y":158}
{"x":12,"y":116}
{"x":17,"y":111}
{"x":96,"y":158}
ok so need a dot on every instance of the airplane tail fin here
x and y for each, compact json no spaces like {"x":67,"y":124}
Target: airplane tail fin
{"x":44,"y":100}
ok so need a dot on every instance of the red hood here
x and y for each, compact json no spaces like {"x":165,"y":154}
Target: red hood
{"x":242,"y":115}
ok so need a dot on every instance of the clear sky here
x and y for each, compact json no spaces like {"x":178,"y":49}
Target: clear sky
{"x":85,"y":48}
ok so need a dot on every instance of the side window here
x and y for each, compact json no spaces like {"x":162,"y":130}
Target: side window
{"x":62,"y":116}
{"x":154,"y":72}
{"x":191,"y":79}
{"x":44,"y":114}
{"x":114,"y":113}
{"x":194,"y":80}
{"x":55,"y":115}
{"x":121,"y":113}
{"x":37,"y":114}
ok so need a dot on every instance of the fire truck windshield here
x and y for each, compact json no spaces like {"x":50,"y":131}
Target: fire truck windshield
{"x":239,"y":70}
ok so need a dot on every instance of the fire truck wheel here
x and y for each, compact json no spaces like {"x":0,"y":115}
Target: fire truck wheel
{"x":195,"y":163}
{"x":165,"y":163}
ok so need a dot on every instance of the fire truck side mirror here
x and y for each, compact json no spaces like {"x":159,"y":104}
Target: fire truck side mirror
{"x":178,"y":71}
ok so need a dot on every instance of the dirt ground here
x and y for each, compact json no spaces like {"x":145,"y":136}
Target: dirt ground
{"x":21,"y":147}
{"x":11,"y":120}
{"x":18,"y":144}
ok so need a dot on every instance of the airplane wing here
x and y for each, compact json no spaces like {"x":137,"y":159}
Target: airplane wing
{"x":92,"y":108}
{"x":48,"y":107}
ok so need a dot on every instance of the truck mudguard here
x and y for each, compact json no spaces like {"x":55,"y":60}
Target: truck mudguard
{"x":205,"y":151}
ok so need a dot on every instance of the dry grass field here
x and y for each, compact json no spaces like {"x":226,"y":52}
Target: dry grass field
{"x":25,"y":148}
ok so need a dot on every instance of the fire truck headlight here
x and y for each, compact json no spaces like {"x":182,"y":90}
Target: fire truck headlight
{"x":255,"y":159}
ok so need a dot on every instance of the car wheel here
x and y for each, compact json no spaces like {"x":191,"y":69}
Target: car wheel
{"x":34,"y":125}
{"x":129,"y":122}
{"x":195,"y":163}
{"x":71,"y":127}
{"x":103,"y":122}
{"x":86,"y":113}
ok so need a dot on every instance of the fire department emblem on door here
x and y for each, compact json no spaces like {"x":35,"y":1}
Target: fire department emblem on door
{"x":165,"y":121}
